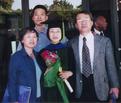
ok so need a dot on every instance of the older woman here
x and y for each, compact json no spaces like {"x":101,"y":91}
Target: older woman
{"x":24,"y":70}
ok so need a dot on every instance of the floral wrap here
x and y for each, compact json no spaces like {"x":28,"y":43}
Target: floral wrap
{"x":51,"y":77}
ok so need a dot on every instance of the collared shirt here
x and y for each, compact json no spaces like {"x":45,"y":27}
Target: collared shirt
{"x":98,"y":32}
{"x":38,"y":76}
{"x":90,"y":44}
{"x":43,"y":40}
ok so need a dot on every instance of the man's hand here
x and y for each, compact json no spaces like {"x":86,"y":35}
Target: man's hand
{"x":115,"y":91}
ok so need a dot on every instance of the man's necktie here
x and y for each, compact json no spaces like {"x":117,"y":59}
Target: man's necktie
{"x":86,"y":64}
{"x":101,"y":33}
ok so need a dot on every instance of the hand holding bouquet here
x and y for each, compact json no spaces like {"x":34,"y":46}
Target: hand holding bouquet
{"x":68,"y":74}
{"x":51,"y":77}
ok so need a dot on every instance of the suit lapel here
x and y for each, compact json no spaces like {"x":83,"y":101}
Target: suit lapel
{"x":96,"y":49}
{"x":78,"y":79}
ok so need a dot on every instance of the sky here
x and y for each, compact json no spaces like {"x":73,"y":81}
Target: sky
{"x":32,"y":3}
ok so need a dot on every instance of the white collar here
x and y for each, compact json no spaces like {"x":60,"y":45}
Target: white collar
{"x":88,"y":36}
{"x":96,"y":31}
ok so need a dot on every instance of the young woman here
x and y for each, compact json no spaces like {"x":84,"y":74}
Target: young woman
{"x":54,"y":33}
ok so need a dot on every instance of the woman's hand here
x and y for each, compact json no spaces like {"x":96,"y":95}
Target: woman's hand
{"x":65,"y":74}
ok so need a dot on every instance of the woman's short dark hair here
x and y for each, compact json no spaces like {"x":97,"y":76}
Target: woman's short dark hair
{"x":23,"y":32}
{"x":54,"y":24}
{"x":48,"y":36}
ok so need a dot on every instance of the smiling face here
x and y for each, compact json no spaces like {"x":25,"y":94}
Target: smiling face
{"x":39,"y":16}
{"x":83,"y":23}
{"x":55,"y":35}
{"x":29,"y":40}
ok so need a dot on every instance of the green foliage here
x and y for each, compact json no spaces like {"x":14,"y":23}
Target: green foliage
{"x":63,"y":9}
{"x":6,"y":5}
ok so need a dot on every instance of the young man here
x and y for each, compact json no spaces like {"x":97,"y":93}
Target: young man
{"x":39,"y":15}
{"x":95,"y":72}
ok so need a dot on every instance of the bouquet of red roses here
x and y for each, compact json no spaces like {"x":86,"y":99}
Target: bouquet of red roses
{"x":51,"y":77}
{"x":50,"y":59}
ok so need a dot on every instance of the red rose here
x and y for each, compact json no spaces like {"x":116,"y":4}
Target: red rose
{"x":49,"y":57}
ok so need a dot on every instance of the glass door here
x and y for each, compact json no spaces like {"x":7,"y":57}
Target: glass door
{"x":10,"y":23}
